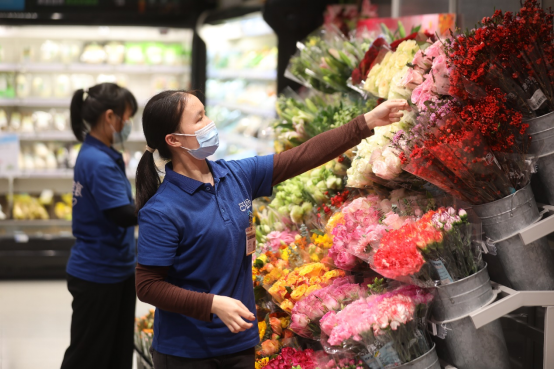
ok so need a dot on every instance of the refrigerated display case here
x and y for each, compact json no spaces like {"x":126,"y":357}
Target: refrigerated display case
{"x":40,"y":67}
{"x":241,"y":84}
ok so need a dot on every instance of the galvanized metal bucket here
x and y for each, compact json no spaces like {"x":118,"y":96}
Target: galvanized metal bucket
{"x":528,"y":267}
{"x":541,"y":130}
{"x":428,"y":361}
{"x":463,"y":345}
{"x":458,"y":299}
{"x":466,"y":347}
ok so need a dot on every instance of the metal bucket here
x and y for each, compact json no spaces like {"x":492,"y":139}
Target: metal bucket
{"x":541,"y":130}
{"x":460,"y":298}
{"x":466,"y":347}
{"x":528,"y":267}
{"x":430,"y":360}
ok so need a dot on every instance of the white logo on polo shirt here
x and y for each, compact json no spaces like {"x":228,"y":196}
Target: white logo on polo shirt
{"x":245,"y":205}
{"x":77,"y":188}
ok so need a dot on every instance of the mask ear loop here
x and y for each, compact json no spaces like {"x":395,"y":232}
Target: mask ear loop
{"x":185,"y":134}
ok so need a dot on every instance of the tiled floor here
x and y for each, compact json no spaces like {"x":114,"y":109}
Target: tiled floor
{"x":34,"y":323}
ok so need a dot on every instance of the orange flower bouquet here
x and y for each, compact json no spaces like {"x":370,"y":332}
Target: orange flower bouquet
{"x":294,"y":286}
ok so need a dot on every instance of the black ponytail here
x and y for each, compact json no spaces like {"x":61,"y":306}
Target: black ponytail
{"x":161,"y":116}
{"x":87,"y":106}
{"x":76,"y":115}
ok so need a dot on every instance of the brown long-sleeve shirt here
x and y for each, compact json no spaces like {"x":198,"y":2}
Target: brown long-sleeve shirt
{"x":151,"y":282}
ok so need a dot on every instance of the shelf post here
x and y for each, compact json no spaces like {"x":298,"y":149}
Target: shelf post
{"x":10,"y":195}
{"x":549,"y":338}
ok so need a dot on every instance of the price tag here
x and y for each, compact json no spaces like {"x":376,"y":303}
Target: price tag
{"x":444,"y":276}
{"x":433,"y":329}
{"x":9,"y":154}
{"x":537,"y":99}
{"x":21,"y":238}
{"x":491,"y":247}
{"x":385,"y":357}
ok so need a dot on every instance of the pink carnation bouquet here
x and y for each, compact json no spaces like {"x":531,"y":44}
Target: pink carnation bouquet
{"x":391,"y":322}
{"x":363,"y":222}
{"x":437,"y":247}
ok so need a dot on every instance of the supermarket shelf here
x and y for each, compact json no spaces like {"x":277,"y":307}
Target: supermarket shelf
{"x":263,"y":75}
{"x":67,"y":136}
{"x":36,"y":223}
{"x":93,"y":68}
{"x":52,"y":174}
{"x":270,"y":113}
{"x":45,"y":102}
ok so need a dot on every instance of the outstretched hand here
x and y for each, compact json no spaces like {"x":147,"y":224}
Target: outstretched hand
{"x":386,"y":113}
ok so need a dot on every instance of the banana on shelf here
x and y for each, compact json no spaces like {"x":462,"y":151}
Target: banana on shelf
{"x":63,"y":208}
{"x":26,"y":207}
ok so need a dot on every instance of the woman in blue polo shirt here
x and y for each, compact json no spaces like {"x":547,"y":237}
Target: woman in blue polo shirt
{"x":194,"y":245}
{"x":100,"y":270}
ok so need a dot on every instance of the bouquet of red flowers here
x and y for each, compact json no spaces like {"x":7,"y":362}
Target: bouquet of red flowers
{"x":293,"y":358}
{"x":514,"y":53}
{"x":453,"y":153}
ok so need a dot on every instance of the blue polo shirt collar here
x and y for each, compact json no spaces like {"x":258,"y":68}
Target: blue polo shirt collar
{"x":190,"y":185}
{"x":112,"y":153}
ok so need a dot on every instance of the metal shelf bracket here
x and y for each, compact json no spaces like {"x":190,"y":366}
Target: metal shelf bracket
{"x":539,"y":229}
{"x":513,"y":300}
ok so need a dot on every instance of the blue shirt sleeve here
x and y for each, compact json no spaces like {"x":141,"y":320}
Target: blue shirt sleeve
{"x":158,"y":238}
{"x":107,"y":187}
{"x":259,"y":172}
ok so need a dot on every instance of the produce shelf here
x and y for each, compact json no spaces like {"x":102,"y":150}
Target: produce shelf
{"x":68,"y":136}
{"x":92,"y":68}
{"x":36,"y":102}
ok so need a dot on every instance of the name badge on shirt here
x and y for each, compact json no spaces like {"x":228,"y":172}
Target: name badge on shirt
{"x":250,"y":237}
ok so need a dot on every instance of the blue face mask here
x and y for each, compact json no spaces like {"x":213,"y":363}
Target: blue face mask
{"x":208,"y":139}
{"x":120,"y":137}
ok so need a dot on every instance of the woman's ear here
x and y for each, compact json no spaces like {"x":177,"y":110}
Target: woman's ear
{"x":172,"y":141}
{"x":112,"y":119}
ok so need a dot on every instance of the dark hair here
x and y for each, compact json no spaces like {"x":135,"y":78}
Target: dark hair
{"x":161,"y":116}
{"x":86,"y":110}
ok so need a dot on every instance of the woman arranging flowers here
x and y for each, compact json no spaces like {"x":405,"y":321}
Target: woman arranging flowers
{"x":194,"y":258}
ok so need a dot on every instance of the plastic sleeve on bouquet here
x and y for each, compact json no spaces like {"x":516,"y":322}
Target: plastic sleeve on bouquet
{"x":307,"y":313}
{"x":325,"y":60}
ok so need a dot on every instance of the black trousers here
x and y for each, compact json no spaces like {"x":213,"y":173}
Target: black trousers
{"x":102,"y":325}
{"x":241,"y":360}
